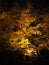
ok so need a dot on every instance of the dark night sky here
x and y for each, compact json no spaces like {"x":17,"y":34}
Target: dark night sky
{"x":36,"y":3}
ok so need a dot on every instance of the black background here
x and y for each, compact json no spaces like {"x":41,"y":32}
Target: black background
{"x":38,"y":4}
